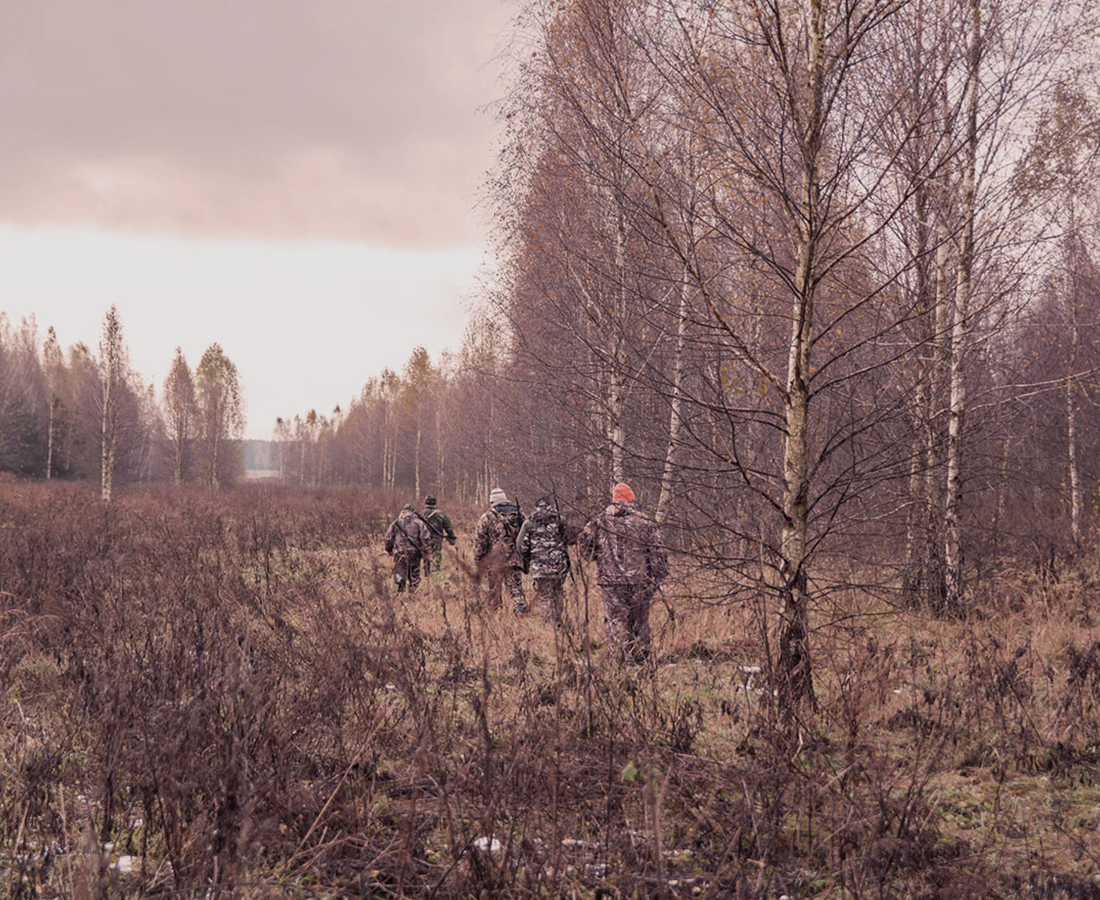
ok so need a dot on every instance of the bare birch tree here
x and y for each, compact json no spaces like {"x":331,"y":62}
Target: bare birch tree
{"x":390,"y":387}
{"x":54,"y":369}
{"x":179,"y":402}
{"x":220,"y":408}
{"x":114,"y":368}
{"x":769,"y":91}
{"x":415,"y":396}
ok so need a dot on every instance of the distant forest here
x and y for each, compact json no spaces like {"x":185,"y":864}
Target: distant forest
{"x":820,"y":282}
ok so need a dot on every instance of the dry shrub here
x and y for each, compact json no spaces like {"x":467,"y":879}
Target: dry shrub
{"x":224,"y":687}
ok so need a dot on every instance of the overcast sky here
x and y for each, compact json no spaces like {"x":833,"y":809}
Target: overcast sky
{"x":296,"y":180}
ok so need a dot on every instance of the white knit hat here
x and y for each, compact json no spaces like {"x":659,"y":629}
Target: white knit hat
{"x":497,"y":497}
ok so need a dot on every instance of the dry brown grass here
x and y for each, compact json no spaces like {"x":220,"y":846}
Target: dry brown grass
{"x":219,"y":695}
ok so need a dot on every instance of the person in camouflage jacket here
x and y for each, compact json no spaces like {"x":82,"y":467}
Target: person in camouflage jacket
{"x":408,"y":540}
{"x":495,"y":551}
{"x":631,"y":563}
{"x":439,"y":523}
{"x":542,"y":544}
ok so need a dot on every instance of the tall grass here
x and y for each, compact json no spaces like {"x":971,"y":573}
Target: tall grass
{"x":219,"y":694}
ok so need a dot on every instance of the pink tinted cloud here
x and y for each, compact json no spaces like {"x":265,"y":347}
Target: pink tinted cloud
{"x":345,"y":119}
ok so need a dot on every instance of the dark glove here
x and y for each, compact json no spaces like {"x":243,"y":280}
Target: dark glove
{"x":452,"y":540}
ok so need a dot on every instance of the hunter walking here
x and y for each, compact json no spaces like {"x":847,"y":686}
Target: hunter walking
{"x":542,"y":544}
{"x":495,"y":551}
{"x":439,"y":524}
{"x":408,"y":540}
{"x":631,"y":563}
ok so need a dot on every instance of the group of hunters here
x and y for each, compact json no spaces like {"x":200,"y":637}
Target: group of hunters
{"x":625,"y":544}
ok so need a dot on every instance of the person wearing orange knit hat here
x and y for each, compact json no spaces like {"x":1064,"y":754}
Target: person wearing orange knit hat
{"x":622,"y":493}
{"x":631,"y":563}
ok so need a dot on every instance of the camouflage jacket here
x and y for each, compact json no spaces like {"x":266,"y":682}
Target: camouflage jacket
{"x":408,"y":535}
{"x":495,"y":539}
{"x":439,"y":524}
{"x":626,"y":546}
{"x":542,"y":544}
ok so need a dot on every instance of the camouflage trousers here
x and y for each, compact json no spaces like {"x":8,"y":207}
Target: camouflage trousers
{"x":550,"y":595}
{"x":511,"y":578}
{"x":434,"y":560}
{"x":406,"y":571}
{"x":626,"y":620}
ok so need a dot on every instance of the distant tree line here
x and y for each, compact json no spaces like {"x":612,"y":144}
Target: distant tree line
{"x":437,"y":427}
{"x":84,"y":414}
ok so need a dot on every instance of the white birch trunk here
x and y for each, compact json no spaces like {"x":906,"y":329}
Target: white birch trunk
{"x":441,"y":450}
{"x":49,"y":434}
{"x":675,"y":412}
{"x":214,"y":451}
{"x":416,"y":461}
{"x":953,"y":561}
{"x":616,"y":391}
{"x":1071,"y":438}
{"x":1071,"y":384}
{"x":107,"y":421}
{"x":794,"y":657}
{"x":107,"y":445}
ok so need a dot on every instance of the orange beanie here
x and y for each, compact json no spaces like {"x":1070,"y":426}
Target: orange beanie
{"x":622,"y":494}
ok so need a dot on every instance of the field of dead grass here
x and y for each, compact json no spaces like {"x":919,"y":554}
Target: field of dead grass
{"x":208,"y":695}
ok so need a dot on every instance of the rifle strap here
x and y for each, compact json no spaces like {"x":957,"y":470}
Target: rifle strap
{"x":408,"y":536}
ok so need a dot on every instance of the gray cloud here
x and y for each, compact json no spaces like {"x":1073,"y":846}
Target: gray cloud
{"x":259,"y":118}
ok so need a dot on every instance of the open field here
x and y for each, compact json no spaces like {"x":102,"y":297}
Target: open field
{"x":207,"y":695}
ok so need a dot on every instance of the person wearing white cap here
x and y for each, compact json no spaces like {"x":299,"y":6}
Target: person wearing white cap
{"x":495,"y":551}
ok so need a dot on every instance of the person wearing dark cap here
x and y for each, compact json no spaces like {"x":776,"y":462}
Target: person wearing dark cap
{"x":440,"y":526}
{"x":631,"y":563}
{"x":495,"y":551}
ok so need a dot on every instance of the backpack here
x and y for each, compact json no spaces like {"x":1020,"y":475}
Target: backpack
{"x":545,"y":541}
{"x":510,"y":515}
{"x":546,"y":526}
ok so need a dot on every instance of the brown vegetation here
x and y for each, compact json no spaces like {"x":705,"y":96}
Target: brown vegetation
{"x":220,"y":695}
